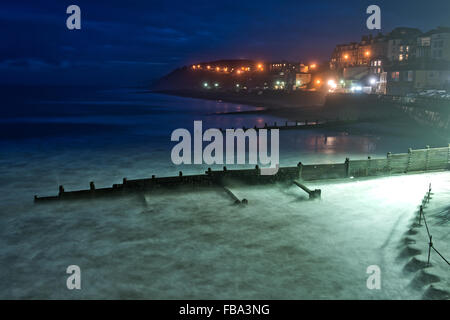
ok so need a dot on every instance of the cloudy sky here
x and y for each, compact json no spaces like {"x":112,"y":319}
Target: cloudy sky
{"x":134,"y":42}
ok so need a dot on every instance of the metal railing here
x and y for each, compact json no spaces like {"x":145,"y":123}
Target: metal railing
{"x":425,"y":201}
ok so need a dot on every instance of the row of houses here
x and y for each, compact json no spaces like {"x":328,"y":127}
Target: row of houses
{"x":248,"y":75}
{"x":403,"y":61}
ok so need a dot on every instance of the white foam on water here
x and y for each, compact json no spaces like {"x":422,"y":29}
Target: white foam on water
{"x":199,"y":245}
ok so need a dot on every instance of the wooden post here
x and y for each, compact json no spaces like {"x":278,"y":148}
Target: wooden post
{"x":409,"y":160}
{"x":61,"y":191}
{"x":448,"y":157}
{"x":430,"y":245}
{"x":388,"y":156}
{"x":368,"y":166}
{"x":347,"y":167}
{"x":429,"y":193}
{"x":300,"y":169}
{"x":92,"y":186}
{"x":427,"y":158}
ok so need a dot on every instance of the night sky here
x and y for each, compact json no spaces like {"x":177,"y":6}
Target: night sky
{"x":135,"y":42}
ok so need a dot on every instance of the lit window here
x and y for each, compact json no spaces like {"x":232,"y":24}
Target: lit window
{"x":395,"y":75}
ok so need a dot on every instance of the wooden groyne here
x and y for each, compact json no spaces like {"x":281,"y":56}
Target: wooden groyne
{"x":313,"y":194}
{"x":314,"y":124}
{"x":421,"y":160}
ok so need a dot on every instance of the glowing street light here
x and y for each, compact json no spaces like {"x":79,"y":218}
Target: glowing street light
{"x":318,"y":81}
{"x":346,"y":56}
{"x":332,"y":83}
{"x":367,"y":53}
{"x":313,"y":66}
{"x":205,"y":84}
{"x":216,"y":85}
{"x":373,"y":81}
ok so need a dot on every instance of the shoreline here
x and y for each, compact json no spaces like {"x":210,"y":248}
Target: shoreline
{"x":371,"y":115}
{"x":300,"y":106}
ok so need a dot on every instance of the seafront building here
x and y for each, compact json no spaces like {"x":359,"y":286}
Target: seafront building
{"x":400,"y":62}
{"x":405,"y":60}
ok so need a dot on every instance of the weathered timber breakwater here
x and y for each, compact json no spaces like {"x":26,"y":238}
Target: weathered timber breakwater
{"x":315,"y":124}
{"x":420,"y":160}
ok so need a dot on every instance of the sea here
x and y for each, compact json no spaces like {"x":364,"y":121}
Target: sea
{"x":190,"y":245}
